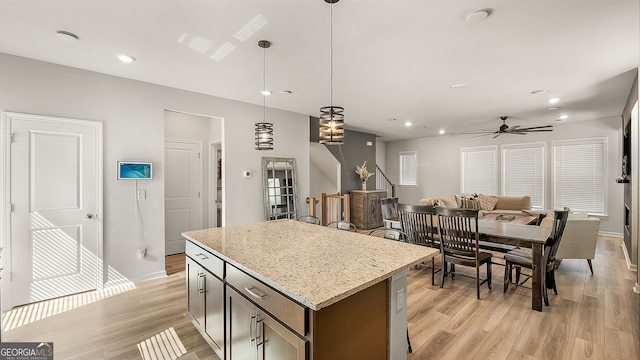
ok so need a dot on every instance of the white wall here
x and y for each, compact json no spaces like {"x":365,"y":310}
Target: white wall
{"x":133,"y":117}
{"x":439,"y":162}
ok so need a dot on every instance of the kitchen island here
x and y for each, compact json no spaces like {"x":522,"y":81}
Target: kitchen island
{"x":291,"y":290}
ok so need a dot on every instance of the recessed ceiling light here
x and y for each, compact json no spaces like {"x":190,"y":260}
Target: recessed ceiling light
{"x":477,"y":15}
{"x":459,"y":86}
{"x":554,"y":100}
{"x":441,"y":131}
{"x":551,"y":108}
{"x":286,"y":92}
{"x":126,"y":58}
{"x":407,"y":123}
{"x":564,"y":117}
{"x":265,"y":92}
{"x":66,"y":36}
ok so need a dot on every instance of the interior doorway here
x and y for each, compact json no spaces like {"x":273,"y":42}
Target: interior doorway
{"x":207,"y":131}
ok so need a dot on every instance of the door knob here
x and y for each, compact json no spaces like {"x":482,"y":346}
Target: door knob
{"x":89,"y":216}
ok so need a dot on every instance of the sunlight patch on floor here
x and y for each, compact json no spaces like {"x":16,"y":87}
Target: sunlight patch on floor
{"x":163,"y":346}
{"x":27,"y":314}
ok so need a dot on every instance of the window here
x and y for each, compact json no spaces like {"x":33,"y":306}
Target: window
{"x":523,"y":172}
{"x":579,"y":173}
{"x":478,"y":173}
{"x":408,"y":168}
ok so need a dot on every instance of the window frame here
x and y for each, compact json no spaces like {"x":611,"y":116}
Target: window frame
{"x":585,"y":141}
{"x":531,"y":145}
{"x":463,"y":150}
{"x":415,"y":168}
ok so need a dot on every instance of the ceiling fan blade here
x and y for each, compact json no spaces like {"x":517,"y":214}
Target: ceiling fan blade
{"x":537,"y":130}
{"x":514,"y":127}
{"x":477,"y":134}
{"x":498,"y":134}
{"x":536,"y":127}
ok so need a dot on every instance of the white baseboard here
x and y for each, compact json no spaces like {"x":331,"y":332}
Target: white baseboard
{"x":151,"y":276}
{"x":610,"y":234}
{"x":630,"y":266}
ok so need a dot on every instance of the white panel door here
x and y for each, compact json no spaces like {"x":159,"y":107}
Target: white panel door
{"x":183,"y":191}
{"x":55,"y":190}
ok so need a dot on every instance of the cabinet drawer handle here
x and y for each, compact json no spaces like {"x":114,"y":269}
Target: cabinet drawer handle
{"x":251,"y":338}
{"x":202,"y":256}
{"x":256,"y":295}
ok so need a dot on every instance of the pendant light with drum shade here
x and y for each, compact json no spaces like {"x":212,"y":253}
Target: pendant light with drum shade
{"x":264,"y":129}
{"x":331,"y":117}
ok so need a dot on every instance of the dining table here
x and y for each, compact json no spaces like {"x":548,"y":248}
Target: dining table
{"x":523,"y":236}
{"x":515,"y":234}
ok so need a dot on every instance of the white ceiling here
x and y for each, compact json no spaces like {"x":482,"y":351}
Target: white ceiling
{"x":392,"y":59}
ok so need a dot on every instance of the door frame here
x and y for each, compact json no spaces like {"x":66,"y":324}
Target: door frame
{"x":5,"y":193}
{"x":213,"y":191}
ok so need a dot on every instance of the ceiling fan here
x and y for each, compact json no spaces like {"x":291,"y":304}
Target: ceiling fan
{"x":515,"y":129}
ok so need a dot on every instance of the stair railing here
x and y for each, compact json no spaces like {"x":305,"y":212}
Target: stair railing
{"x":383,"y":183}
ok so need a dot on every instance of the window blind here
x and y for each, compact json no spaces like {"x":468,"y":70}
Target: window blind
{"x":523,"y":172}
{"x":579,"y":173}
{"x":478,"y":173}
{"x":408,"y":171}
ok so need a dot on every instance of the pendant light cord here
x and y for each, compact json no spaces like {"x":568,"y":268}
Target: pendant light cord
{"x":264,"y":84}
{"x":331,"y":53}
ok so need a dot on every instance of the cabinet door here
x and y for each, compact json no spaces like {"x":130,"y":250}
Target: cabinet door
{"x":241,"y":328}
{"x":214,"y":308}
{"x":275,"y":342}
{"x":195,"y":291}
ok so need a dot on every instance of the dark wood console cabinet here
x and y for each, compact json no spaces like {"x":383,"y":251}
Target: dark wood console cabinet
{"x":365,"y":208}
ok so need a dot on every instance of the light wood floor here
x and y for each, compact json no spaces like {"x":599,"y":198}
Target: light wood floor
{"x":593,"y":317}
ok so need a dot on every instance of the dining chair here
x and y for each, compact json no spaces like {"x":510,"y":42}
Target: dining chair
{"x":342,"y":225}
{"x":459,"y":243}
{"x":389,"y":207}
{"x":391,"y":234}
{"x":523,"y":258}
{"x":417,"y":222}
{"x":309,"y":219}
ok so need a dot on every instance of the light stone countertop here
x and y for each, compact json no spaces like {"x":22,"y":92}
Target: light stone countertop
{"x":314,"y":265}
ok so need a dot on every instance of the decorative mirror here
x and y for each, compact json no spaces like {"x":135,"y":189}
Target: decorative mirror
{"x":279,"y":182}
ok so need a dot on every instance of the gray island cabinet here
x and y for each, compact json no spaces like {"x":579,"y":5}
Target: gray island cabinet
{"x":291,"y":290}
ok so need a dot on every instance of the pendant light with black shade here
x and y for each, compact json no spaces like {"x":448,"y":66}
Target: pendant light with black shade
{"x":264,"y":129}
{"x":331,"y":117}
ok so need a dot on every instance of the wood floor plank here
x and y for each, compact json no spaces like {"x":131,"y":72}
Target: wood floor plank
{"x":620,"y":345}
{"x":464,"y":345}
{"x":531,"y":339}
{"x":587,"y":350}
{"x":591,"y":311}
{"x":499,"y":342}
{"x":559,"y":339}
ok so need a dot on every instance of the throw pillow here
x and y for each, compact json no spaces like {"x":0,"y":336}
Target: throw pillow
{"x":486,"y":202}
{"x":469,"y":204}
